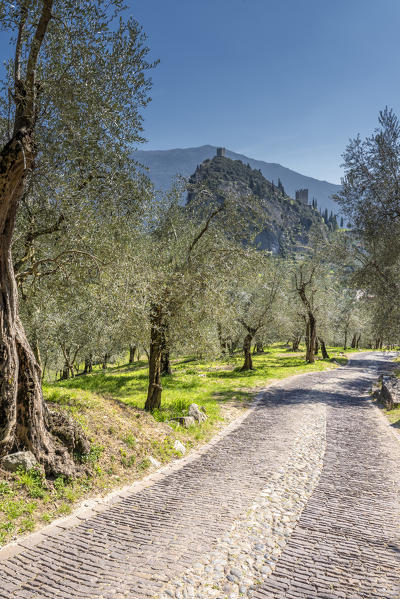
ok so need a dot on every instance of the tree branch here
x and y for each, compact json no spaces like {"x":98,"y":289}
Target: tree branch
{"x":204,"y":230}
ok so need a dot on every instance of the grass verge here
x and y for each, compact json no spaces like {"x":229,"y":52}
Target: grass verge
{"x":109,"y":407}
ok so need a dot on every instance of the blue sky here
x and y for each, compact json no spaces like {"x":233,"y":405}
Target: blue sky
{"x":285,"y":81}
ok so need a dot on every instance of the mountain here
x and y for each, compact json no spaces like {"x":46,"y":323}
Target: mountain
{"x":164,"y":165}
{"x":284,"y":222}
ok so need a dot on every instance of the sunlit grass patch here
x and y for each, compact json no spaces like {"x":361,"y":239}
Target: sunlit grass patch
{"x":109,"y":406}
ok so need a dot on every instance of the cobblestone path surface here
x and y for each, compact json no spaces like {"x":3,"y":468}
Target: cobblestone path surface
{"x":300,"y":501}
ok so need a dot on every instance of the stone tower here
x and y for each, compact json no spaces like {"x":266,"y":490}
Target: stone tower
{"x":302,"y":196}
{"x":221,"y":152}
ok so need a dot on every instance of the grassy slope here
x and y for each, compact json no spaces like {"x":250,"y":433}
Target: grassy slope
{"x":109,"y":406}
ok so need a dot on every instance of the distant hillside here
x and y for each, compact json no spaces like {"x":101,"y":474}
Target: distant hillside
{"x":163,"y":165}
{"x":285,"y":222}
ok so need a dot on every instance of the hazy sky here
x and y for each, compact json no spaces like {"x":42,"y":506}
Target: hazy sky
{"x":285,"y":81}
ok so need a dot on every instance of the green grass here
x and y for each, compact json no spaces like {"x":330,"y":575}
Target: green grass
{"x":206,"y":383}
{"x":109,"y":406}
{"x":394,"y":417}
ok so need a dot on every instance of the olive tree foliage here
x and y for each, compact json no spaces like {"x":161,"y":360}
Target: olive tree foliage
{"x":70,"y":114}
{"x":370,"y":198}
{"x":90,"y":313}
{"x":255,"y":298}
{"x":192,"y":249}
{"x":315,"y":282}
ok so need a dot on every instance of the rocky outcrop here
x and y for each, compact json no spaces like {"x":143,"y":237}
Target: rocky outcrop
{"x":197,"y":413}
{"x":22,"y":459}
{"x":283,"y":222}
{"x":389,"y":393}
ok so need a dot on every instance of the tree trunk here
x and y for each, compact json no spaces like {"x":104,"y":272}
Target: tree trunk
{"x":259,"y":347}
{"x":166,"y":369}
{"x":64,"y":373}
{"x":296,"y":342}
{"x":325,"y":354}
{"x":153,"y":401}
{"x":358,"y":341}
{"x":248,"y":362}
{"x":316,"y":346}
{"x":311,"y":336}
{"x":105,"y":360}
{"x":223,"y":343}
{"x":88,"y":364}
{"x":132,"y":351}
{"x":36,"y":351}
{"x":24,"y":418}
{"x":232,"y":347}
{"x":354,"y":341}
{"x":345,"y":340}
{"x":44,"y":368}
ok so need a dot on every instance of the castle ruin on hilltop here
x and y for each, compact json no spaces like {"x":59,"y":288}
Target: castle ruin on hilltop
{"x":302,"y":196}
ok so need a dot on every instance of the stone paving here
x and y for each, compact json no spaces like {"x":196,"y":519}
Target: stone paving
{"x":266,"y":511}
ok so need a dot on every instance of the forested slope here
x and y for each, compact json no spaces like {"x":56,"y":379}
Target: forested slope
{"x":286,"y":223}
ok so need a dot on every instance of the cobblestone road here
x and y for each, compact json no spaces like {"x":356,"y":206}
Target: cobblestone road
{"x":300,"y":501}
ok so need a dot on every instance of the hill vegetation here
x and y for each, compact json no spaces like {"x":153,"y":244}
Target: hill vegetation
{"x":286,"y":223}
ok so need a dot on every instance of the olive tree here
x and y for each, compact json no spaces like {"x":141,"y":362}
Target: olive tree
{"x":76,"y":84}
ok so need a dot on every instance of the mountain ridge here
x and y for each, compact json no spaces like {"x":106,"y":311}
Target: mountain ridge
{"x":164,"y":165}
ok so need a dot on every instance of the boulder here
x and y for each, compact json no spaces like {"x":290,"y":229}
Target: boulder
{"x":154,"y":462}
{"x":197,"y":413}
{"x":186,"y":421}
{"x":390,"y":392}
{"x":178,"y":446}
{"x":21,"y":459}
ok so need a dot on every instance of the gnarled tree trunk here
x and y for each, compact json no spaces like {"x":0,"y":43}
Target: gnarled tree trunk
{"x":105,"y":360}
{"x":259,"y":347}
{"x":153,"y":401}
{"x":296,"y":342}
{"x":166,"y":369}
{"x":132,"y":351}
{"x":248,"y":362}
{"x":24,"y":418}
{"x":325,"y":354}
{"x":311,"y":324}
{"x":311,"y":336}
{"x":88,"y":364}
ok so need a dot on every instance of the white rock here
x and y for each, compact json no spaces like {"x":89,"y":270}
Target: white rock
{"x":178,"y":446}
{"x":196,"y":412}
{"x":13,"y":461}
{"x":154,"y":462}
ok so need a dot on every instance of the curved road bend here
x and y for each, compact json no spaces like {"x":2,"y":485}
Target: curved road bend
{"x":300,"y":501}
